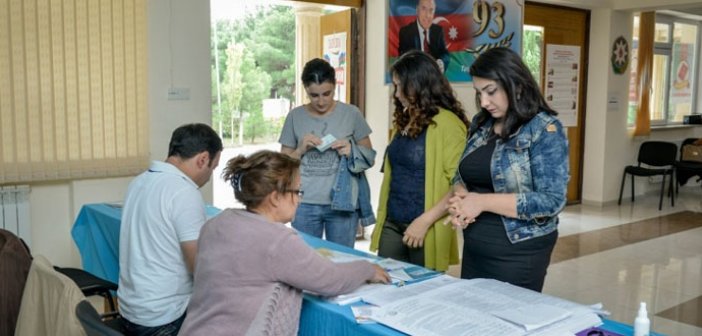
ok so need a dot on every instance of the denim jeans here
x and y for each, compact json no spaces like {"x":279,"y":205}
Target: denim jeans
{"x":168,"y":329}
{"x":337,"y":226}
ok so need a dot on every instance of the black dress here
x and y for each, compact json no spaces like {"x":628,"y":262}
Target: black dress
{"x":487,"y":252}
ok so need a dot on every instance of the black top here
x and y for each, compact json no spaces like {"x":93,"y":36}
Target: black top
{"x":407,"y":158}
{"x":476,"y":175}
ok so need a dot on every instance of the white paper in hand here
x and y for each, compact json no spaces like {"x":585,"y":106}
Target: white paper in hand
{"x":326,"y":142}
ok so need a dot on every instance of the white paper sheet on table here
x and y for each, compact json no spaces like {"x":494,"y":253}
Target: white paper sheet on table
{"x":469,"y":307}
{"x":357,"y":294}
{"x":392,"y":294}
{"x":534,"y":316}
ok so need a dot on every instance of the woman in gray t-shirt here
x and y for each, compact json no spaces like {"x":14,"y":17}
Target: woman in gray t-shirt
{"x":319,"y":133}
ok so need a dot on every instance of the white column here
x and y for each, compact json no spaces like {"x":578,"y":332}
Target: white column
{"x":308,"y":43}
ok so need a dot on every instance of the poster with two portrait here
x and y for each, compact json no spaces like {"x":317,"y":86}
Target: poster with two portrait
{"x":469,"y":27}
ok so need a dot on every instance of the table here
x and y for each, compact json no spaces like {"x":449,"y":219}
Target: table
{"x":96,"y":233}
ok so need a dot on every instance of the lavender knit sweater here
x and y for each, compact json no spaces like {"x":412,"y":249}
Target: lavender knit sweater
{"x":249,"y":276}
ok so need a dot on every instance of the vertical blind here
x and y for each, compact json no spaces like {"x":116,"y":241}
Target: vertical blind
{"x":644,"y":73}
{"x":72,"y":89}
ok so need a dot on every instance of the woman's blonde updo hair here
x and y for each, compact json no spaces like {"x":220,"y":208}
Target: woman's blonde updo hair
{"x":258,"y":175}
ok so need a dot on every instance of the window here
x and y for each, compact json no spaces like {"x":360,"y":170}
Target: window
{"x":675,"y":62}
{"x":73,"y":90}
{"x":533,"y":50}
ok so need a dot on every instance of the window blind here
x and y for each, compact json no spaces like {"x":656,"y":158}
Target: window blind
{"x":72,"y":89}
{"x":644,"y":69}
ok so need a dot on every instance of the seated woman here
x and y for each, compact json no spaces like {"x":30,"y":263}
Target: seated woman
{"x":251,"y":268}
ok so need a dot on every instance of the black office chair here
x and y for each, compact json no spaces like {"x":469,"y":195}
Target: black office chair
{"x":88,"y":283}
{"x":96,"y":325}
{"x":684,"y":170}
{"x":91,"y":285}
{"x":660,"y":157}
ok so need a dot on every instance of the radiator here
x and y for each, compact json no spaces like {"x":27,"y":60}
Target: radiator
{"x":14,"y":211}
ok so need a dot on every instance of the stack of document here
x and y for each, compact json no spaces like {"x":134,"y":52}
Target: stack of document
{"x":426,"y":302}
{"x":402,"y":273}
{"x":483,"y":307}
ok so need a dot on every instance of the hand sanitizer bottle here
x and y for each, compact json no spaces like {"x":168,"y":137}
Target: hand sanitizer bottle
{"x":642,"y":325}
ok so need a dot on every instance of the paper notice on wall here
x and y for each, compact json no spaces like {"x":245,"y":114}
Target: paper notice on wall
{"x":563,"y":81}
{"x":334,"y":51}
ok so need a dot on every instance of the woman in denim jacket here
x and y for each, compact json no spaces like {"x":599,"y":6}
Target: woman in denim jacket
{"x":511,"y":182}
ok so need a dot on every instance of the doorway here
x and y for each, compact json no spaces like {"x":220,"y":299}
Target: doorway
{"x":562,"y":26}
{"x":254,"y":77}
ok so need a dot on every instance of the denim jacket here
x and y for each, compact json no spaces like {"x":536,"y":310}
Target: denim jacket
{"x":351,"y":190}
{"x":533,"y":164}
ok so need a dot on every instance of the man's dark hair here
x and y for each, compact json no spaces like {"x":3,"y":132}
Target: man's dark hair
{"x":318,"y":71}
{"x":192,"y":139}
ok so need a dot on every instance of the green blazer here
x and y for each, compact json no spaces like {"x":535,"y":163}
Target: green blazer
{"x":445,"y":142}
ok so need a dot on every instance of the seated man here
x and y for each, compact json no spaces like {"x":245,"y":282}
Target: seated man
{"x":161,"y":221}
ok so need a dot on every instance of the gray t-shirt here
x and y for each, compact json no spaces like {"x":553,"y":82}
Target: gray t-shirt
{"x":318,"y":169}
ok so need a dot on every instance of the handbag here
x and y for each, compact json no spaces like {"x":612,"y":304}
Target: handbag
{"x":692,"y":153}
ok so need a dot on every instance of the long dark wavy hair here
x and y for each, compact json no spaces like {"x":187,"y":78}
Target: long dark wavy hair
{"x":506,"y":67}
{"x":426,"y":89}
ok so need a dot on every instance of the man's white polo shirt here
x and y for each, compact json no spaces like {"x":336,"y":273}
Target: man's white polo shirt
{"x":163,"y":208}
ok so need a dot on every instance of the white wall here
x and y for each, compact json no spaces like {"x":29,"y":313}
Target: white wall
{"x":182,"y":63}
{"x":593,"y":174}
{"x":54,"y":206}
{"x":378,"y":105}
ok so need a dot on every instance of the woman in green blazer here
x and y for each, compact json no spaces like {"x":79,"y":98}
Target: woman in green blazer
{"x":428,"y":138}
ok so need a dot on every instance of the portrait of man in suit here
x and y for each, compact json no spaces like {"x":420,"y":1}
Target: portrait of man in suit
{"x":424,"y":35}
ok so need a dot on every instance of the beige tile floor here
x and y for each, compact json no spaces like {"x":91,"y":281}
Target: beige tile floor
{"x":664,"y":270}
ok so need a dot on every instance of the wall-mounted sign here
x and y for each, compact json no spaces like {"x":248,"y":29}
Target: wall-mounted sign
{"x":620,"y":55}
{"x":334,"y":51}
{"x":563,"y":81}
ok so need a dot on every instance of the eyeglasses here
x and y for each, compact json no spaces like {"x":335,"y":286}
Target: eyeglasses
{"x":299,"y":192}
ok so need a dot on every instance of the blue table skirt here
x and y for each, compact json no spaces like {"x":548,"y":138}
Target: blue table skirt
{"x":319,"y":317}
{"x":96,"y":234}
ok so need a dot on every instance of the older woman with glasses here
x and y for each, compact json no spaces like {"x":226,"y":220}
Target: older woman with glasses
{"x":251,"y":268}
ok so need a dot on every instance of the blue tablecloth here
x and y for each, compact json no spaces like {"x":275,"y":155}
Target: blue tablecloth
{"x":96,"y":233}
